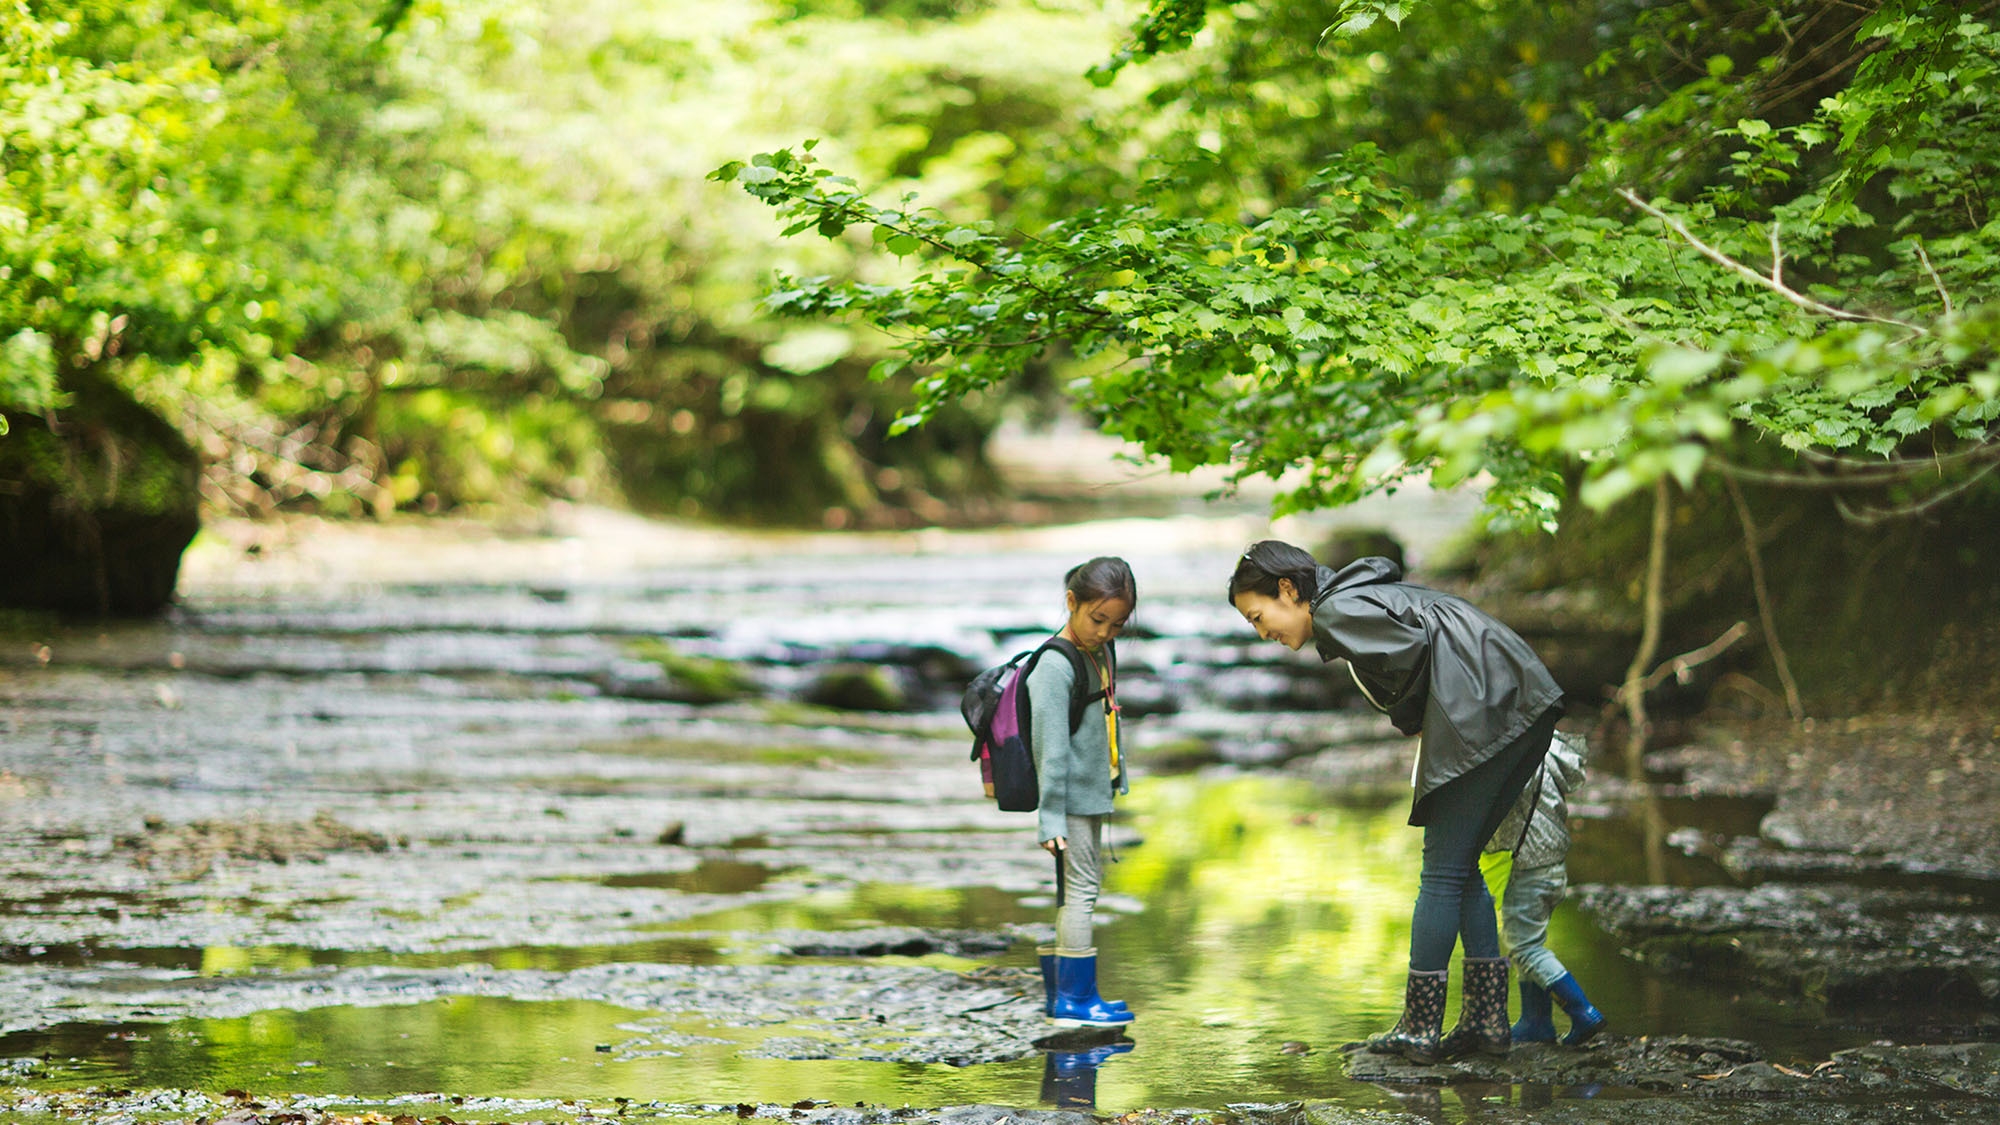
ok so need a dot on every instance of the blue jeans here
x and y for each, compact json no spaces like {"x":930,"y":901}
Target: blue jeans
{"x":1525,"y":907}
{"x":1452,"y":900}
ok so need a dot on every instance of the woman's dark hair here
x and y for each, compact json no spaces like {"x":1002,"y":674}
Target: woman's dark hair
{"x":1100,"y":578}
{"x":1258,"y":571}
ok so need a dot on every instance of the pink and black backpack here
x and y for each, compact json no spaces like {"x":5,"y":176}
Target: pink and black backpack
{"x":997,"y":708}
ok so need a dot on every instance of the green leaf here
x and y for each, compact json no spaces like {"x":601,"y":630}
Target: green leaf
{"x":1677,"y":366}
{"x":1684,"y":462}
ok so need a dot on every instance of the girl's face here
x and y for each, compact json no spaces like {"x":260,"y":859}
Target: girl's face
{"x":1285,"y":619}
{"x":1093,"y":623}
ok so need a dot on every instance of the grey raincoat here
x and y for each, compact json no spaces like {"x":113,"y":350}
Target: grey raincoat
{"x":1537,"y":827}
{"x":1434,"y":664}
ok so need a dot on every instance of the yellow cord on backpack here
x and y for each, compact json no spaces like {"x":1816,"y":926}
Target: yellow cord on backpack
{"x":1110,"y":711}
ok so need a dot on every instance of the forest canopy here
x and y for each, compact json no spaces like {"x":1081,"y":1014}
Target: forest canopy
{"x":378,"y":254}
{"x":370,"y":254}
{"x":1577,"y":247}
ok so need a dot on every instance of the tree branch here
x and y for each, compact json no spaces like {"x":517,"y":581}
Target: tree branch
{"x":1686,"y":662}
{"x":1775,"y":285}
{"x":1935,"y":279}
{"x":1867,"y":516}
{"x":1763,"y":592}
{"x":1633,"y":691}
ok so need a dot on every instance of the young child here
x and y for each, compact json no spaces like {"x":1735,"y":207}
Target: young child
{"x":1536,"y":832}
{"x":1080,"y":773}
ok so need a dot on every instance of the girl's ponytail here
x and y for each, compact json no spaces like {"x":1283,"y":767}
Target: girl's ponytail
{"x":1269,"y":560}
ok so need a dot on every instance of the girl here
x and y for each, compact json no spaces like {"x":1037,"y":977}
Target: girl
{"x":1078,"y":766}
{"x":1486,"y":708}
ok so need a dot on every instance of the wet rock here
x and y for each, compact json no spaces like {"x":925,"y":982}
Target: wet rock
{"x":1080,"y":1038}
{"x":1840,"y":944}
{"x":1348,"y":544}
{"x":1967,"y":1068}
{"x":95,"y":510}
{"x":1356,"y":770}
{"x":857,"y":687}
{"x":680,"y":677}
{"x":1876,"y":792}
{"x":1661,"y":1064}
{"x":887,"y":941}
{"x":189,"y":850}
{"x":1180,"y":755}
{"x":863,"y":1011}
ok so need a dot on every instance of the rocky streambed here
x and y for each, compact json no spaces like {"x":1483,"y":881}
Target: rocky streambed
{"x":646,"y":824}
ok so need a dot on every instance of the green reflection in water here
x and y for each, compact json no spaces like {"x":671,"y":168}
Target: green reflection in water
{"x":1275,"y":927}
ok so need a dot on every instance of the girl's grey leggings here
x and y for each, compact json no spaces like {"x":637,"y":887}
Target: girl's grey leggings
{"x":1082,"y":880}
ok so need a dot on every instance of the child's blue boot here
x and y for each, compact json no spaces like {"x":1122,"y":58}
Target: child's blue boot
{"x":1047,"y":955}
{"x":1584,"y":1018}
{"x":1535,"y":1024}
{"x":1077,"y":1003}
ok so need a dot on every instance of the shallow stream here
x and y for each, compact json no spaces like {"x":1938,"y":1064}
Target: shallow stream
{"x":537,"y":868}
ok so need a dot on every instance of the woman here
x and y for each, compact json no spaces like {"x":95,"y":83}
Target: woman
{"x":1486,"y":708}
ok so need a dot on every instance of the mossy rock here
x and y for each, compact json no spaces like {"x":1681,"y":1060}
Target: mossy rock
{"x":96,"y":505}
{"x":695,"y":679}
{"x":858,"y":687}
{"x":1351,"y":543}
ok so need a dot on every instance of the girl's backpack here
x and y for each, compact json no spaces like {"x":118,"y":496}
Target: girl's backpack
{"x":997,"y":708}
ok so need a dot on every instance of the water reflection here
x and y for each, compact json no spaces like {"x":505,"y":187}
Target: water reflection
{"x":1271,"y":925}
{"x":1069,"y":1077}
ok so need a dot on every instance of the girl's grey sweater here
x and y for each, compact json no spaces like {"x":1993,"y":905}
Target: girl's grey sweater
{"x":1074,"y":770}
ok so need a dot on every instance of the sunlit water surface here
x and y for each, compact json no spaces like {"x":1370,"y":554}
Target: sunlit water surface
{"x":1254,"y":925}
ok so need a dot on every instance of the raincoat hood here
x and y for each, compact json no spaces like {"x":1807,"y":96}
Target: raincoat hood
{"x":1360,"y":572}
{"x":1433,"y":663}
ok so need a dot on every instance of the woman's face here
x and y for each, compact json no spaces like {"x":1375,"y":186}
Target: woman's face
{"x":1284,"y":619}
{"x":1093,"y":623}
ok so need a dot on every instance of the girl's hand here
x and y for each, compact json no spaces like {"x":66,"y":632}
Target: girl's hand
{"x":1055,"y":846}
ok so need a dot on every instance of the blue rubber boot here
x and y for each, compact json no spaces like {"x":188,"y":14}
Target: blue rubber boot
{"x":1584,"y":1018}
{"x":1077,"y":1002}
{"x":1534,"y":1026}
{"x":1047,"y":955}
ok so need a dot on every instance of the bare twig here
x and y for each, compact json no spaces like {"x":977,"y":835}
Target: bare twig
{"x":1903,"y":511}
{"x":1935,"y":279}
{"x":1763,"y":592}
{"x":1851,"y":473}
{"x":1777,"y":286}
{"x":1749,"y":687}
{"x":1686,"y":662}
{"x":1633,"y":691}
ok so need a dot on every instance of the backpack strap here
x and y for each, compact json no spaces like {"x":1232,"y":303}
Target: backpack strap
{"x":1080,"y":698}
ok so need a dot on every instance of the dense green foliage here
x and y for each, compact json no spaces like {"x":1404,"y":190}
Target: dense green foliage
{"x":1598,"y":241}
{"x":368,"y":253}
{"x":418,"y":252}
